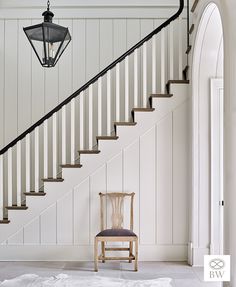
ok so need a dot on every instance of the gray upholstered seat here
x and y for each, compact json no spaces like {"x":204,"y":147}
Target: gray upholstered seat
{"x":116,"y":232}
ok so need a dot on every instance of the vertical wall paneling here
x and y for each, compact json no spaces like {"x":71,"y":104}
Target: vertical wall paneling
{"x":81,"y":213}
{"x":131,"y":180}
{"x":65,"y":223}
{"x":11,"y":80}
{"x":181,"y":176}
{"x":97,"y":185}
{"x":114,"y":180}
{"x":48,"y":225}
{"x":164,"y":181}
{"x":2,"y":79}
{"x":24,"y":78}
{"x":1,"y":188}
{"x":65,"y":66}
{"x":38,"y":95}
{"x":147,"y":188}
{"x":32,"y":232}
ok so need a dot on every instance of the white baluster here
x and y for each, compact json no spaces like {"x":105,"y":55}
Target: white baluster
{"x":136,"y":78}
{"x":81,"y":120}
{"x":109,"y":103}
{"x":163,"y":61}
{"x":118,"y":92}
{"x":1,"y":188}
{"x":63,"y":135}
{"x":145,"y":75}
{"x":36,"y":159}
{"x":171,"y":52}
{"x":72,"y":135}
{"x":91,"y":117}
{"x":180,"y":49}
{"x":27,"y":163}
{"x":45,"y":149}
{"x":154,"y":64}
{"x":54,"y":145}
{"x":127,"y":89}
{"x":100,"y":106}
{"x":18,"y":173}
{"x":9,"y":176}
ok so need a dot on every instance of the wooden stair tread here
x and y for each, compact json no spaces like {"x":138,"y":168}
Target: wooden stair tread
{"x":93,"y":151}
{"x":125,"y":123}
{"x":71,"y":165}
{"x":161,"y":95}
{"x":191,"y":29}
{"x":178,"y":82}
{"x":33,"y":193}
{"x":188,"y":49}
{"x":194,"y":6}
{"x":22,"y":207}
{"x":143,"y":109}
{"x":5,"y":221}
{"x":52,"y":179}
{"x":107,"y":137}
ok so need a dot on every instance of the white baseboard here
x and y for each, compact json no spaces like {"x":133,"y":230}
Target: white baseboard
{"x":198,"y":256}
{"x":85,"y":253}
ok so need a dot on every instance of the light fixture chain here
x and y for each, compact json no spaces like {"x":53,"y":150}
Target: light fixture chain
{"x":48,"y":4}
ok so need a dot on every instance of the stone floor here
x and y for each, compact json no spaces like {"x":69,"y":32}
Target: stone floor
{"x":182,"y":274}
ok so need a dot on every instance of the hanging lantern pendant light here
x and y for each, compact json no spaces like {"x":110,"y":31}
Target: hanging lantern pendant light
{"x":47,"y":39}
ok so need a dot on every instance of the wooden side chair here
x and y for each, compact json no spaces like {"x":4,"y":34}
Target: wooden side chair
{"x":116,"y":233}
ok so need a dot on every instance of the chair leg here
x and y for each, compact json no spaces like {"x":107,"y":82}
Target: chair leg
{"x":95,"y":255}
{"x":136,"y":255}
{"x":130,"y":250}
{"x":103,"y":251}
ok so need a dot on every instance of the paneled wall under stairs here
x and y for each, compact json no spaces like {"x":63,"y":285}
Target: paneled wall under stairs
{"x":155,"y":166}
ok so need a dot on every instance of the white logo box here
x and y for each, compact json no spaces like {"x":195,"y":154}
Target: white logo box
{"x":217,"y":268}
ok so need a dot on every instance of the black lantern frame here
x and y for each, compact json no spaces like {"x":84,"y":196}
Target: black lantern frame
{"x":48,"y":40}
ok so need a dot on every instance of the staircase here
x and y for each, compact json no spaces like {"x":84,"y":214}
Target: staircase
{"x":72,"y":141}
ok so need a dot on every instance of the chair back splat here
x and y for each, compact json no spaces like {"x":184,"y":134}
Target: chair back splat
{"x":116,"y":200}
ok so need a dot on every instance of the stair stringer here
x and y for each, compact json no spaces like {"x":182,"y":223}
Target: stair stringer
{"x":74,"y":177}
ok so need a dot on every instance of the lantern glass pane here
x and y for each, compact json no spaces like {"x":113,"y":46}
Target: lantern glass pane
{"x":63,"y":46}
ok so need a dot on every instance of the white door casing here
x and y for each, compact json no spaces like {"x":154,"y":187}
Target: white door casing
{"x":217,"y":109}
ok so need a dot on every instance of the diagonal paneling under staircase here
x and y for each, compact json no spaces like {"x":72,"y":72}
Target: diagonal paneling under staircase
{"x":92,"y":160}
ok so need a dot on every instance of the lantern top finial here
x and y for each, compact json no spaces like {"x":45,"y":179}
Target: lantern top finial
{"x":48,"y":15}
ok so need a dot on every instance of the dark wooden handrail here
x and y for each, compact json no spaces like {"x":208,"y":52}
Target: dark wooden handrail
{"x":94,"y":79}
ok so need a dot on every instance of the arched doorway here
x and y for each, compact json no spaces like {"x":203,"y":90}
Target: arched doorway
{"x":207,"y":100}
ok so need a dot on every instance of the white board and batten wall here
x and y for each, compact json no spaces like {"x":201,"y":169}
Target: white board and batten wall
{"x":101,"y":31}
{"x":155,"y":166}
